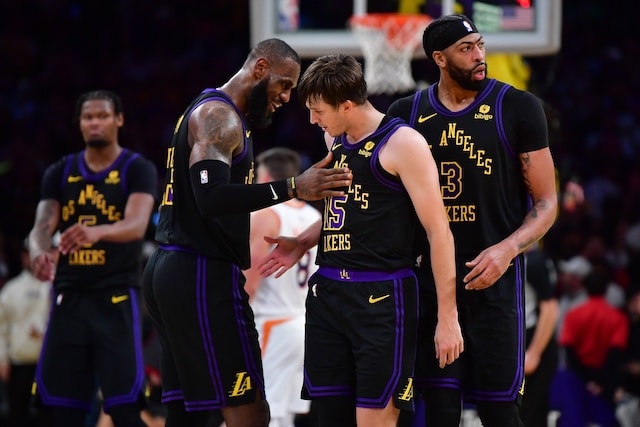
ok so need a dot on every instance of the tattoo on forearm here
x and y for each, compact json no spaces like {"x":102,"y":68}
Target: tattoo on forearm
{"x":539,"y":205}
{"x":46,"y":222}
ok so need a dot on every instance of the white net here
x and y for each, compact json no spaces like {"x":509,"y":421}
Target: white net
{"x":388,"y":43}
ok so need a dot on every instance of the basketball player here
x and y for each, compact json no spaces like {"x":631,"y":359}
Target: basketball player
{"x":193,"y":283}
{"x":101,"y":200}
{"x":491,"y":146}
{"x":362,"y":312}
{"x":541,"y":319}
{"x":278,"y":304}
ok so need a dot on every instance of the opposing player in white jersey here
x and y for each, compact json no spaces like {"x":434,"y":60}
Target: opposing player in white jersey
{"x":279,"y":303}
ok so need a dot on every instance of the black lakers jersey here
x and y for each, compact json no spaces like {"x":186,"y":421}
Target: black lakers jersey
{"x":99,"y":198}
{"x":370,"y":227}
{"x":225,"y":237}
{"x":477,"y":153}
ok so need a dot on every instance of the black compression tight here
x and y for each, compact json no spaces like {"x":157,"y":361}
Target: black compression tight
{"x":443,"y":407}
{"x":177,"y":416}
{"x":126,"y":416}
{"x":334,"y":411}
{"x":499,"y":414}
{"x":68,"y":417}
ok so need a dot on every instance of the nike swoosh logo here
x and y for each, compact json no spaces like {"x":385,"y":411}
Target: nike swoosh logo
{"x":275,"y":196}
{"x":423,"y":119}
{"x":373,"y":300}
{"x":336,"y":147}
{"x":248,"y":133}
{"x":74,"y":178}
{"x":118,"y":299}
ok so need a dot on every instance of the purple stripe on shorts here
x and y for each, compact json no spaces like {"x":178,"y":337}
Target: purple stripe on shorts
{"x":137,"y":387}
{"x":453,"y":383}
{"x":244,"y":329}
{"x":172,"y":395}
{"x":382,"y":400}
{"x":324,"y":391}
{"x":205,"y":331}
{"x":178,"y":248}
{"x":511,"y":393}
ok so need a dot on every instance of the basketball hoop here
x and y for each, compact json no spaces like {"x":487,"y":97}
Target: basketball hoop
{"x":388,"y":41}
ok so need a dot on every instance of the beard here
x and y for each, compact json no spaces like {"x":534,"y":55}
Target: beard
{"x":258,"y":102}
{"x":97,"y":143}
{"x":465,"y":78}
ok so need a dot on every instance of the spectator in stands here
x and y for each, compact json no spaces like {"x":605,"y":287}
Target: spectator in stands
{"x":594,"y":336}
{"x":628,"y":396}
{"x":541,"y":316}
{"x":24,"y":312}
{"x":571,"y":289}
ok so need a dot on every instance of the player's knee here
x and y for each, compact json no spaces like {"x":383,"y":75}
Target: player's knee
{"x":499,"y":414}
{"x":126,"y":415}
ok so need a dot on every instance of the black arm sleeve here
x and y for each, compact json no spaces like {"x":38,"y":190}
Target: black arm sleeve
{"x":215,"y":196}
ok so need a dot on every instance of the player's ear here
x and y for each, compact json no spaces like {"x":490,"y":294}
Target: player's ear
{"x":439,"y":58}
{"x":261,"y":68}
{"x":346,"y":105}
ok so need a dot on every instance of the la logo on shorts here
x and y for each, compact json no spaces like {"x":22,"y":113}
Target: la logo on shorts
{"x":241,"y":385}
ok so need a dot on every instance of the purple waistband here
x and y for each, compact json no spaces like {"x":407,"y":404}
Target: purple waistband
{"x":363,"y":276}
{"x":178,"y":248}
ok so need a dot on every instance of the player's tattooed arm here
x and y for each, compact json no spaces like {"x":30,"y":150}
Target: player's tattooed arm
{"x":538,"y":174}
{"x":41,"y":251}
{"x":46,"y":223}
{"x":215,"y":133}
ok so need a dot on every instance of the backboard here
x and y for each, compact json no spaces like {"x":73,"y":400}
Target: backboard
{"x":316,"y":27}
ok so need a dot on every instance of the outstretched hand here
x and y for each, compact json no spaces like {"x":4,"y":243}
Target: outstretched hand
{"x":320,"y":181}
{"x":281,"y":258}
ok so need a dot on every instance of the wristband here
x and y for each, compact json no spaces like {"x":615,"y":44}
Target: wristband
{"x":294,"y":192}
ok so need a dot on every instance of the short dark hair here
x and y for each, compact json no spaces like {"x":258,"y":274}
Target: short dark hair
{"x":112,"y":97}
{"x":334,"y":79}
{"x":597,"y":282}
{"x":274,"y":50}
{"x":281,"y":162}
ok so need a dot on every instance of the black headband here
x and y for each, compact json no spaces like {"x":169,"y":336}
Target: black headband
{"x":445,"y":31}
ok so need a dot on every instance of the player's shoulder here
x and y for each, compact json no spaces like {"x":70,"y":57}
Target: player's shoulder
{"x":401,"y":107}
{"x":406,"y":131}
{"x":216,"y":111}
{"x":405,"y":137}
{"x":140,"y":160}
{"x":58,"y":165}
{"x":219,"y":105}
{"x":520,"y":97}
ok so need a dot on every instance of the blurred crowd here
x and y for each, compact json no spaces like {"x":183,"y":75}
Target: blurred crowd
{"x":159,"y":54}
